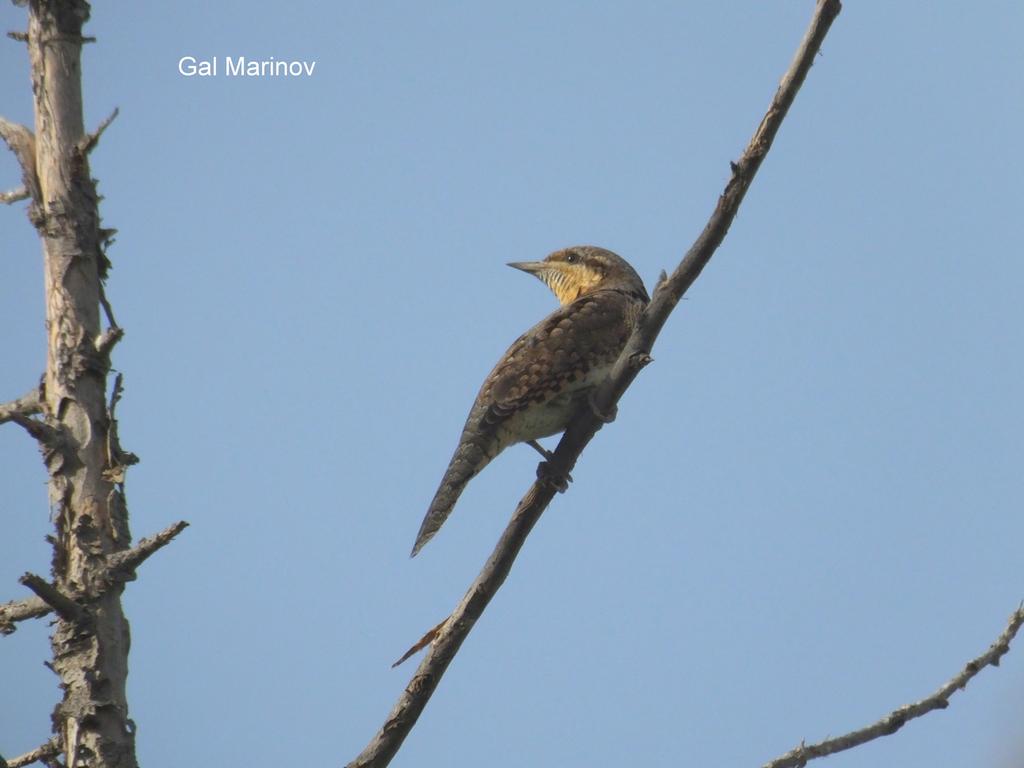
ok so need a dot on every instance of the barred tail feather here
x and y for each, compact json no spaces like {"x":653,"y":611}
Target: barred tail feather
{"x":468,"y":460}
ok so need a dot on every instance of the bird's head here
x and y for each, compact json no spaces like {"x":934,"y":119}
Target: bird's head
{"x":582,"y":269}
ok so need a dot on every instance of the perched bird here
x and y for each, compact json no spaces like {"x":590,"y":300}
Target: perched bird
{"x":546,"y":374}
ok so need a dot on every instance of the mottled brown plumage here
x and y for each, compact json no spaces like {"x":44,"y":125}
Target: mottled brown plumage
{"x":550,"y":370}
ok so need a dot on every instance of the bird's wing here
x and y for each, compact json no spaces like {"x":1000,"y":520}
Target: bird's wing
{"x":556,"y":355}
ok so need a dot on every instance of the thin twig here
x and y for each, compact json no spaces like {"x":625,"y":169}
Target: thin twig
{"x":121,"y":565}
{"x":65,"y":607}
{"x":21,"y":610}
{"x":29,"y":404}
{"x":413,"y":699}
{"x":88,"y":142}
{"x":14,"y":195}
{"x":118,"y":459}
{"x":48,"y":436}
{"x":107,"y":340}
{"x":22,"y":143}
{"x":901,"y":716}
{"x":42,"y":753}
{"x":108,"y":311}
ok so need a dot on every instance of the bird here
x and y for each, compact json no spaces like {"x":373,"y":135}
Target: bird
{"x":549,"y":371}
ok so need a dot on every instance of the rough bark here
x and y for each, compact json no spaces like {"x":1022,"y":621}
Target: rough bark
{"x":76,"y":430}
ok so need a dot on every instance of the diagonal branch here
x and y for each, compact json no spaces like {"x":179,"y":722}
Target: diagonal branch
{"x":385,"y":744}
{"x":798,"y":757}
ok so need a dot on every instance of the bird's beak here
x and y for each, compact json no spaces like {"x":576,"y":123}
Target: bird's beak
{"x":533,"y":267}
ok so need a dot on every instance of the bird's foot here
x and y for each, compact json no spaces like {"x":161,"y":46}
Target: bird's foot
{"x":606,"y":418}
{"x":546,"y":469}
{"x":549,"y":472}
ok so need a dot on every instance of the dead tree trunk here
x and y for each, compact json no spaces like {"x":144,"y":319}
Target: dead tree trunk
{"x":69,"y":413}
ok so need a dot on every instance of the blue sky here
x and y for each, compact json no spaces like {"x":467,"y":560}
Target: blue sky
{"x":808,"y":510}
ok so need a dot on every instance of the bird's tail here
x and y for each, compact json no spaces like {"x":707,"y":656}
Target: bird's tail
{"x":468,"y":460}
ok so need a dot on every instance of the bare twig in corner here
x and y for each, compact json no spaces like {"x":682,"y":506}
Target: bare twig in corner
{"x":413,"y":699}
{"x":900,"y":717}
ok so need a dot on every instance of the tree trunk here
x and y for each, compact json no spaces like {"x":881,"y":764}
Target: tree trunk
{"x":85,"y":464}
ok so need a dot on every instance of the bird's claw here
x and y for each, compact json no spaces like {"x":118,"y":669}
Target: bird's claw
{"x":559,"y":479}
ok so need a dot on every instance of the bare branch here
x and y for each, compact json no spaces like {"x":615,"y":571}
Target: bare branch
{"x":104,"y":301}
{"x":108,"y":340}
{"x":90,"y":140}
{"x":48,"y":437}
{"x":65,"y":607}
{"x":14,"y":195}
{"x":423,"y":642}
{"x":29,"y":404}
{"x":22,"y":143}
{"x":585,"y":424}
{"x":118,"y":459}
{"x":21,"y":37}
{"x":121,"y":565}
{"x":900,"y":717}
{"x":20,"y":610}
{"x":41,"y":754}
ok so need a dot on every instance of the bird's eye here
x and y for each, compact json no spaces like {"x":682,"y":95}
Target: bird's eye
{"x":572,"y":258}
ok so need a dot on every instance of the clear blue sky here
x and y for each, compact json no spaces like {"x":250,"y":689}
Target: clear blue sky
{"x":809,"y":509}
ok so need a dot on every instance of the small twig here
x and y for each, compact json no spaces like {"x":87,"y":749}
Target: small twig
{"x":118,"y":459}
{"x":121,"y":565}
{"x":21,"y":37}
{"x":422,"y":643}
{"x":29,"y":404}
{"x":43,"y":753}
{"x":88,"y":142}
{"x":14,"y":195}
{"x":22,"y":143}
{"x":107,"y":340}
{"x":662,"y":279}
{"x":115,"y":394}
{"x":901,"y":716}
{"x":21,"y":610}
{"x":48,"y":437}
{"x":386,"y":742}
{"x":65,"y":607}
{"x":108,"y":311}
